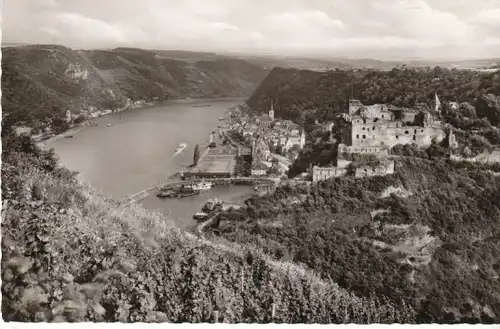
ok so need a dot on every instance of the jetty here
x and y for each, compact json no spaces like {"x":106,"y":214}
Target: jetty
{"x":217,"y":181}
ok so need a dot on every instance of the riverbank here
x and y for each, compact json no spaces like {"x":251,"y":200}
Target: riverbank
{"x":69,"y":132}
{"x":130,"y":107}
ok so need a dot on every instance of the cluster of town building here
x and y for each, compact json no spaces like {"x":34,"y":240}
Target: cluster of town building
{"x":283,"y":135}
{"x":266,"y":136}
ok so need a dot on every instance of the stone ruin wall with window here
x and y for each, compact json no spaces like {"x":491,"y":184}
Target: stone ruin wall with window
{"x":380,"y":126}
{"x":375,"y":129}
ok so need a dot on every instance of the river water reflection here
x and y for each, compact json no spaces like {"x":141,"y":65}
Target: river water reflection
{"x":132,"y":150}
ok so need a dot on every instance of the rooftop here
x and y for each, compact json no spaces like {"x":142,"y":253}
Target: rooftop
{"x":259,"y":166}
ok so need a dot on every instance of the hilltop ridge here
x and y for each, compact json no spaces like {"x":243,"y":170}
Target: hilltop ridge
{"x":41,"y":82}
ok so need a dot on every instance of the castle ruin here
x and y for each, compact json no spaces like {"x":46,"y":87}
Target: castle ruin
{"x":377,"y":128}
{"x":374,"y":130}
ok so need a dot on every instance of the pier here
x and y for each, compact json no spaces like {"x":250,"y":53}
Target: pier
{"x":142,"y":194}
{"x":217,"y":181}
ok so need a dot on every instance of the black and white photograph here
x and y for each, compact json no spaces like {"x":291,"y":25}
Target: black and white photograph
{"x":250,"y":161}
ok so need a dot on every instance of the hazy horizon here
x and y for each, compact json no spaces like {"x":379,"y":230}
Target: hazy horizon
{"x":381,"y":30}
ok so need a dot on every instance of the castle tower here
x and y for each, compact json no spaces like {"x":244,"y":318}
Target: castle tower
{"x":437,"y":103}
{"x":271,"y":112}
{"x":427,"y":119}
{"x":452,"y":140}
{"x":354,"y":106}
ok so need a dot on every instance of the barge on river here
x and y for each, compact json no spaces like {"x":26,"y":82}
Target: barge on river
{"x":179,"y":193}
{"x":212,"y":208}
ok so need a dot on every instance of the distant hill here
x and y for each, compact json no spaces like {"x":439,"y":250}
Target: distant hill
{"x":43,"y":81}
{"x":323,"y":63}
{"x":330,"y":63}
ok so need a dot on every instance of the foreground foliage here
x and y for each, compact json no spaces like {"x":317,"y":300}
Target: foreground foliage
{"x":428,"y":234}
{"x":69,"y":254}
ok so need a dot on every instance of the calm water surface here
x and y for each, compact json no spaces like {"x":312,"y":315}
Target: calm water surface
{"x":137,"y":151}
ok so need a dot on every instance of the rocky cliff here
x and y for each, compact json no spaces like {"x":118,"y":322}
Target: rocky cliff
{"x":43,"y":81}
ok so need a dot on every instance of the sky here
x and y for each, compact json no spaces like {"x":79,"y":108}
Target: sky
{"x":382,"y":29}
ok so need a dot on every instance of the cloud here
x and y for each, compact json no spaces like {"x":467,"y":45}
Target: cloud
{"x":418,"y":21}
{"x":87,"y":29}
{"x":50,"y":31}
{"x":306,"y":26}
{"x":47,"y":3}
{"x":221,"y":26}
{"x":305,"y":19}
{"x":488,"y":18}
{"x":300,"y":29}
{"x":492,"y":41}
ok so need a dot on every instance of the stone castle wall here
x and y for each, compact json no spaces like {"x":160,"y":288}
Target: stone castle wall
{"x":485,"y":157}
{"x":381,"y":151}
{"x":392,"y":133}
{"x":376,"y":126}
{"x":324,"y":173}
{"x":386,"y":168}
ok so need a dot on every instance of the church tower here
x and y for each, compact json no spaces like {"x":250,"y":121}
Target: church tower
{"x":68,"y":116}
{"x":271,"y":112}
{"x":452,"y":140}
{"x":437,"y":103}
{"x":302,"y":139}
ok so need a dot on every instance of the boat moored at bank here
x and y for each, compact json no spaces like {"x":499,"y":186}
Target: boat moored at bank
{"x":181,"y":147}
{"x":201,"y":186}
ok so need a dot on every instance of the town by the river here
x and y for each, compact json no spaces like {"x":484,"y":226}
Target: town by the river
{"x":134,"y":149}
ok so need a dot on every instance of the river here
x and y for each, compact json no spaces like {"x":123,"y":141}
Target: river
{"x":137,"y":151}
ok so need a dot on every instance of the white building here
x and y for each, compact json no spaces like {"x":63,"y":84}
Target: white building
{"x":292,"y":140}
{"x":68,"y":116}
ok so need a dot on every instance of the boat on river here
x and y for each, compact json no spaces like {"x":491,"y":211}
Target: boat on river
{"x":181,"y":147}
{"x":185,"y":191}
{"x":179,"y":193}
{"x":200,"y":216}
{"x":212,"y":208}
{"x":201,"y":186}
{"x":166,"y":194}
{"x":212,"y":205}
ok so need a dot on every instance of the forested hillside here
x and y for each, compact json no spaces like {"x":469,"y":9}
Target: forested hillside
{"x":42,"y":82}
{"x":429,"y":234}
{"x":301,"y":95}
